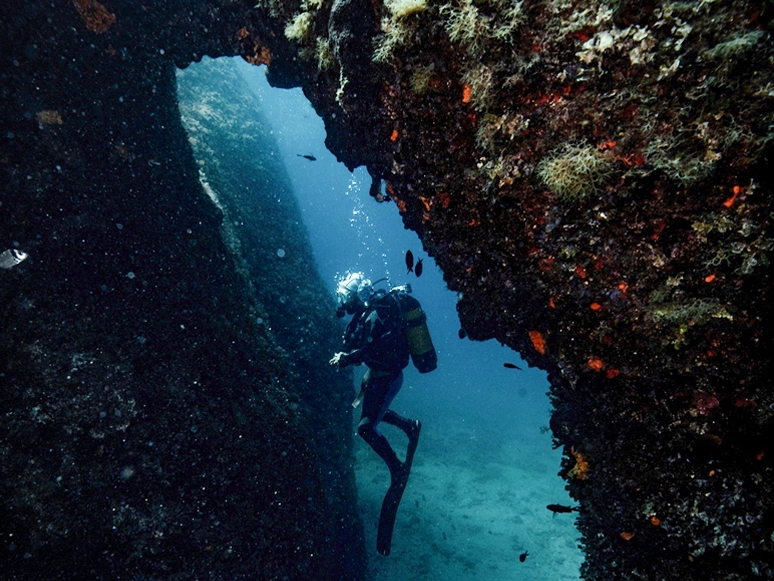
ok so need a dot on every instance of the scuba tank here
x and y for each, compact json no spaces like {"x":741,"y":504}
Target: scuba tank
{"x":417,"y":334}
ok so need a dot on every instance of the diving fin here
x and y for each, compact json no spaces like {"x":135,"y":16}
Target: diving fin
{"x":394,"y":494}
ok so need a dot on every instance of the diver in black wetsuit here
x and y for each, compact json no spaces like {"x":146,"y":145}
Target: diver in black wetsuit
{"x":375,"y":336}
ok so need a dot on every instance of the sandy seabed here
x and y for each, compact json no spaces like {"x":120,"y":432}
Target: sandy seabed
{"x":476,"y":500}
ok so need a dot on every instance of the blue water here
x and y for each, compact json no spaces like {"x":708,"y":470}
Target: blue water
{"x":485,"y":467}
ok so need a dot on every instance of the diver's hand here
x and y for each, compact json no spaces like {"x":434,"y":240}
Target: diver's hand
{"x":339,"y":359}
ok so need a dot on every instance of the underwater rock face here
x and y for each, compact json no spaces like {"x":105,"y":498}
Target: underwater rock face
{"x":152,"y":427}
{"x":240,"y":167}
{"x":593,"y":178}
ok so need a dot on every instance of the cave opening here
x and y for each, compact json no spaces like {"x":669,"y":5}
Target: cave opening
{"x":485,"y":468}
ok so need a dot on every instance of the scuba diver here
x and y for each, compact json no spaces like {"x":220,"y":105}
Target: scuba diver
{"x":387,"y":328}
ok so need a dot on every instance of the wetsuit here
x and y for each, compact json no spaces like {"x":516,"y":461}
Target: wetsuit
{"x":375,"y":337}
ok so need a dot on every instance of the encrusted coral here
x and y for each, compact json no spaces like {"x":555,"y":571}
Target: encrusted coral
{"x":680,"y":315}
{"x":574,"y":171}
{"x":733,"y":242}
{"x":493,"y":127}
{"x":397,"y":27}
{"x":690,"y":155}
{"x":49,"y":117}
{"x":475,"y":24}
{"x":252,"y":48}
{"x":301,"y":28}
{"x":581,"y":468}
{"x":482,"y":82}
{"x":324,"y":54}
{"x":402,"y":8}
{"x":736,"y":47}
{"x":95,"y":16}
{"x":393,"y":35}
{"x":678,"y":162}
{"x":277,"y":8}
{"x":691,"y":312}
{"x":423,"y":79}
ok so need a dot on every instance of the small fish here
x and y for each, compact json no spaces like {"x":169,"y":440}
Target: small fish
{"x":561,"y":508}
{"x":418,"y":268}
{"x":307,"y":156}
{"x":409,"y":261}
{"x":11,"y":257}
{"x":523,"y":556}
{"x":511,"y":366}
{"x":462,"y":333}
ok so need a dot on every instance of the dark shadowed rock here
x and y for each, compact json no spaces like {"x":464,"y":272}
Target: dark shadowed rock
{"x":152,"y":427}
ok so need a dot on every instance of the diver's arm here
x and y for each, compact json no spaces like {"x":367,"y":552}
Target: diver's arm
{"x":342,"y":359}
{"x":354,"y":357}
{"x":373,"y":329}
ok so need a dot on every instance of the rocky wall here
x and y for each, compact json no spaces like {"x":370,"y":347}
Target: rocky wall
{"x":241,"y":168}
{"x":594,"y":179}
{"x":152,"y":427}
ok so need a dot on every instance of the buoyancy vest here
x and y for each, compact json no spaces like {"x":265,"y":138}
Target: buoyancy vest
{"x":391,"y":328}
{"x":377,"y":333}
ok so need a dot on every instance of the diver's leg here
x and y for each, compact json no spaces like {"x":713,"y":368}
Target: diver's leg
{"x":377,"y":391}
{"x":380,"y":445}
{"x":393,"y":385}
{"x":410,"y":427}
{"x":400,"y":475}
